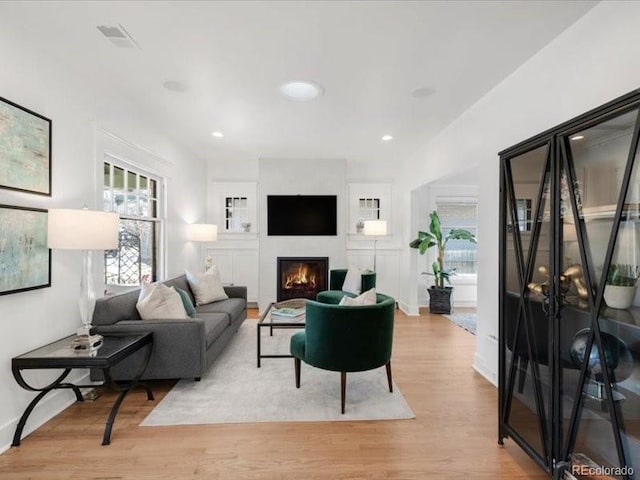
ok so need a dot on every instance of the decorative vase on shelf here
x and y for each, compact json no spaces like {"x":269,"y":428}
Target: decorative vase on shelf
{"x":620,"y":289}
{"x":619,"y":297}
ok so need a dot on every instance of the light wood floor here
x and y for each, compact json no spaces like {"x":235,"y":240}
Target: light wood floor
{"x":453,"y":434}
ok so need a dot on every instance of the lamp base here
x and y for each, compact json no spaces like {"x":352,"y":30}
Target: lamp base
{"x":84,"y":331}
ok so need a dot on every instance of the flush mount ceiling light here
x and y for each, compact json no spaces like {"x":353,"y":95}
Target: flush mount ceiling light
{"x":301,"y":90}
{"x":175,"y":86}
{"x":217,"y":134}
{"x":577,"y":137}
{"x":387,"y":138}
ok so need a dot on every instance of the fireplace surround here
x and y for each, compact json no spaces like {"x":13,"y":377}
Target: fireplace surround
{"x":301,"y":277}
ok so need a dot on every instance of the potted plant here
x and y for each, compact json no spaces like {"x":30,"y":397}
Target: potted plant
{"x":620,"y":288}
{"x":439,"y":294}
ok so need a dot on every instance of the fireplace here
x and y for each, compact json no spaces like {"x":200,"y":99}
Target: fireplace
{"x":302,"y":277}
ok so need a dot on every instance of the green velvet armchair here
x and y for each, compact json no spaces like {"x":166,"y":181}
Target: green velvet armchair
{"x":345,"y":338}
{"x":337,"y":276}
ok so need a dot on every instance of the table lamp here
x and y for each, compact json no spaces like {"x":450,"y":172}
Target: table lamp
{"x":375,"y":228}
{"x":203,"y":233}
{"x":86,"y":230}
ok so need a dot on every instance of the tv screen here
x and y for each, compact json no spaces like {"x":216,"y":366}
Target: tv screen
{"x":302,"y":215}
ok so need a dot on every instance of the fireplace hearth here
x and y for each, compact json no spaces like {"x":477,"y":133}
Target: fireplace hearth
{"x":301,"y":277}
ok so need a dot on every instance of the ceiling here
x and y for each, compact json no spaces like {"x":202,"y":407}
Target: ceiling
{"x":233,"y":56}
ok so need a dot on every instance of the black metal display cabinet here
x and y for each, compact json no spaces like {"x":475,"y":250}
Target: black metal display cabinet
{"x":569,"y":372}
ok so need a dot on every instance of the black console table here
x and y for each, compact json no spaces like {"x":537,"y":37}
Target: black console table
{"x":61,"y":356}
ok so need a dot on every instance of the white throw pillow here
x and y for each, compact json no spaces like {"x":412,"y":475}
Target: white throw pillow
{"x":206,"y":287}
{"x":367,"y":298}
{"x":159,"y":302}
{"x":353,"y":281}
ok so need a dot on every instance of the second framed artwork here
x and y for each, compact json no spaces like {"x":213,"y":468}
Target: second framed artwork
{"x":25,"y":259}
{"x":25,"y":149}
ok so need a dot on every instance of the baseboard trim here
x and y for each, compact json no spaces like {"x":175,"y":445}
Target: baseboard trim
{"x":480,"y":367}
{"x":411,"y":310}
{"x":50,"y":406}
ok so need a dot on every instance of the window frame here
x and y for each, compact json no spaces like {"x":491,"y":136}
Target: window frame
{"x":156,"y":203}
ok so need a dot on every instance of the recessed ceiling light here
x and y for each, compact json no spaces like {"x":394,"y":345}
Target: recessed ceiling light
{"x":387,"y":138}
{"x":301,"y":90}
{"x":217,"y":134}
{"x":175,"y":86}
{"x":577,"y":137}
{"x":423,"y":92}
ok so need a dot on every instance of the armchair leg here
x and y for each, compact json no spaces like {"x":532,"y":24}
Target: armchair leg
{"x":343,"y":388}
{"x":296,"y":364}
{"x":388,"y":365}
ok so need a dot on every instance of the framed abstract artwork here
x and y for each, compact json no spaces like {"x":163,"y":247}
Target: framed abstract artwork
{"x":25,"y":149}
{"x":25,"y":259}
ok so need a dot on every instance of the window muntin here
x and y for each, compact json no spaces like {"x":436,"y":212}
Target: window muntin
{"x":134,"y":196}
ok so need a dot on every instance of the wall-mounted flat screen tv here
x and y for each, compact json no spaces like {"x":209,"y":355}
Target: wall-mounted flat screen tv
{"x":302,"y":215}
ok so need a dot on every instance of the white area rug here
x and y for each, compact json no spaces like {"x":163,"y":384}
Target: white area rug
{"x":236,"y":391}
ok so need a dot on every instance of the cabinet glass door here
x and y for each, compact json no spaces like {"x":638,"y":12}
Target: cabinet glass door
{"x":598,"y":315}
{"x":527,"y":237}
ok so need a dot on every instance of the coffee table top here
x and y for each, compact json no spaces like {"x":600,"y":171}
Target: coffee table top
{"x":60,"y":354}
{"x":270,"y":318}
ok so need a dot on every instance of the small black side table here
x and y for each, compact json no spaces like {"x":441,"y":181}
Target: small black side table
{"x":59,"y":355}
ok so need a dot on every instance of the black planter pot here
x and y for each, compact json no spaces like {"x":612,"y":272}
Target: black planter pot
{"x":440,"y":299}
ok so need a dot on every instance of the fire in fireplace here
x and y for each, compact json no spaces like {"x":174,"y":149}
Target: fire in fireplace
{"x":301,"y":277}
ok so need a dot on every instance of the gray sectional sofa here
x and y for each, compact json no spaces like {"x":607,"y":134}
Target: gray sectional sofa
{"x":182,"y":348}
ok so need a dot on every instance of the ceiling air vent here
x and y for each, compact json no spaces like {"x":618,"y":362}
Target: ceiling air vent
{"x":118,"y":36}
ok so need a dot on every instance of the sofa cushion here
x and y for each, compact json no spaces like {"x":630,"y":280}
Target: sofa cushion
{"x":181,"y":283}
{"x":214,"y":325}
{"x":207,"y":286}
{"x":157,"y":302}
{"x":186,"y":302}
{"x":114,"y":308}
{"x":232,"y":307}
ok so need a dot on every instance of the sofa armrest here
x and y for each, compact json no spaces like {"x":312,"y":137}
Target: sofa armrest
{"x":236,"y":291}
{"x":178,"y":345}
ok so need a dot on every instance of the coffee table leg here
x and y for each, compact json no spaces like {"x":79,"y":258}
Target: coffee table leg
{"x":258,"y":345}
{"x":57,"y":383}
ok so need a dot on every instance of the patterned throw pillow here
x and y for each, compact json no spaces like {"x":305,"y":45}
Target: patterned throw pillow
{"x":206,"y":287}
{"x":159,"y":302}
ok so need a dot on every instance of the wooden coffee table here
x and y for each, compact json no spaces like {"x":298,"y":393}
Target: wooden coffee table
{"x":272,"y":322}
{"x":60,"y":356}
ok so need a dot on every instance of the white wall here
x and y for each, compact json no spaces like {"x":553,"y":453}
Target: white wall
{"x":81,"y":112}
{"x":592,"y":62}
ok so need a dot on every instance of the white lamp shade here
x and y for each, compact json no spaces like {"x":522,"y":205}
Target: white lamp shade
{"x":375,"y":227}
{"x":203,"y":232}
{"x":70,"y":229}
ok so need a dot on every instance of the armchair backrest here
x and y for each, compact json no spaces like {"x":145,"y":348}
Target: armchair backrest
{"x":349,"y":338}
{"x":337,"y":276}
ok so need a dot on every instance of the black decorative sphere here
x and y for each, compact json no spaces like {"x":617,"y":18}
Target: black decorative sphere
{"x":616,"y":353}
